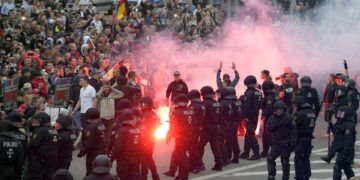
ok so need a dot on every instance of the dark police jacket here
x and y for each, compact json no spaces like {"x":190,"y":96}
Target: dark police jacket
{"x":282,"y":129}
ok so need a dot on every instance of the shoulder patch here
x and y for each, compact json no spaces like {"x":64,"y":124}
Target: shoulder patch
{"x":347,"y":131}
{"x":34,"y":136}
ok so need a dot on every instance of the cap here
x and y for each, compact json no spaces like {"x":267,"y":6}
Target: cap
{"x":176,"y":73}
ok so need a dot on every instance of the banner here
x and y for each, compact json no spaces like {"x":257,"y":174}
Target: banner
{"x":9,"y":89}
{"x":62,"y":92}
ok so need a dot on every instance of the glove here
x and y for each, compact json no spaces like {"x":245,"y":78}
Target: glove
{"x":345,"y":64}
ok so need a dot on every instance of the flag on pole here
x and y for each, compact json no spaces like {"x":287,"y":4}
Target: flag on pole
{"x":122,"y":9}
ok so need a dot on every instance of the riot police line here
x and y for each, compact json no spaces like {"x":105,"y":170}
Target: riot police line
{"x":197,"y":118}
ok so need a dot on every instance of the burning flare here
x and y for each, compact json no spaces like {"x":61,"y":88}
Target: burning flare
{"x":161,"y":131}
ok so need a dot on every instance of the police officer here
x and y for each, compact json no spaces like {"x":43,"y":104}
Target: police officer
{"x":43,"y":149}
{"x":270,"y":98}
{"x":251,"y":105}
{"x":283,"y":134}
{"x":67,"y":138}
{"x":11,"y":154}
{"x":92,"y":138}
{"x":344,"y":132}
{"x":183,"y":126}
{"x":305,"y":120}
{"x":18,"y":123}
{"x":227,"y":111}
{"x":101,"y":169}
{"x":354,"y":96}
{"x":127,"y":147}
{"x":286,"y":92}
{"x":341,"y":99}
{"x":234,"y":124}
{"x":310,"y":94}
{"x":211,"y":127}
{"x":199,"y":110}
{"x":149,"y":121}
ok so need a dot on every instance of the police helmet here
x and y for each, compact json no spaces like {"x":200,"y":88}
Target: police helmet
{"x":341,"y":91}
{"x":62,"y":174}
{"x":5,"y":125}
{"x":64,"y":121}
{"x":14,"y":117}
{"x":268,"y":86}
{"x":126,"y":115}
{"x":194,"y":94}
{"x":101,"y":164}
{"x":305,"y":81}
{"x":123,"y":104}
{"x":181,"y":100}
{"x":207,"y":92}
{"x":350,"y":83}
{"x":279,"y":108}
{"x":222,"y":93}
{"x":92,"y":113}
{"x":42,"y":118}
{"x":250,"y":80}
{"x":300,"y":102}
{"x":146,"y":103}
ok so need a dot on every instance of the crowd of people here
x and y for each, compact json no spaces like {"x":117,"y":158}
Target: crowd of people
{"x":49,"y":46}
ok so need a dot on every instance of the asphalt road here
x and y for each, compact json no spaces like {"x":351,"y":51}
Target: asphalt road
{"x":246,"y":169}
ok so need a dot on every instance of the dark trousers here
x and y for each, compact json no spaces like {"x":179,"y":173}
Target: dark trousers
{"x":250,"y":138}
{"x":181,"y":147}
{"x":147,"y":162}
{"x":284,"y":151}
{"x":7,"y":171}
{"x":107,"y":134}
{"x":127,"y":169}
{"x":89,"y":160}
{"x":211,"y":135}
{"x":64,"y":162}
{"x":342,"y":164}
{"x":234,"y":143}
{"x":302,"y":160}
{"x":266,"y":139}
{"x":41,"y":171}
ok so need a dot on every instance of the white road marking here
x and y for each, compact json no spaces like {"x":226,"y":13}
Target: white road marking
{"x":229,"y":171}
{"x":258,"y":173}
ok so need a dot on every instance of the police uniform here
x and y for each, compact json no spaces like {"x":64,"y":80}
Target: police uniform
{"x":267,"y":111}
{"x":43,"y":149}
{"x":149,"y":123}
{"x":183,"y":126}
{"x":92,"y":138}
{"x":11,"y":154}
{"x":127,"y":147}
{"x":283,"y":135}
{"x":310,"y":94}
{"x":67,"y":138}
{"x":211,"y":127}
{"x":344,"y":132}
{"x":354,"y":97}
{"x":101,"y":169}
{"x":305,"y":120}
{"x":251,"y":105}
{"x":288,"y":91}
{"x":234,"y":124}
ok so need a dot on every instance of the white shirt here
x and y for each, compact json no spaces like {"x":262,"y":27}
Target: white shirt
{"x":55,"y":112}
{"x":98,"y":26}
{"x":86,"y":98}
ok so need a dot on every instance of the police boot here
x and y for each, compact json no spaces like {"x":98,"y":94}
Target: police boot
{"x":181,"y":178}
{"x":199,"y":169}
{"x":244,"y":155}
{"x":254,"y":157}
{"x":235,"y":161}
{"x":217,"y":167}
{"x":169,"y":173}
{"x":264,"y":154}
{"x":271,"y":177}
{"x":327,"y":159}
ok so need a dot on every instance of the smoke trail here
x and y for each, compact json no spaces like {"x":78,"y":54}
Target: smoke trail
{"x":310,"y":48}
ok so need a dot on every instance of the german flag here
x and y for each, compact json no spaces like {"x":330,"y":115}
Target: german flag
{"x":122,"y":9}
